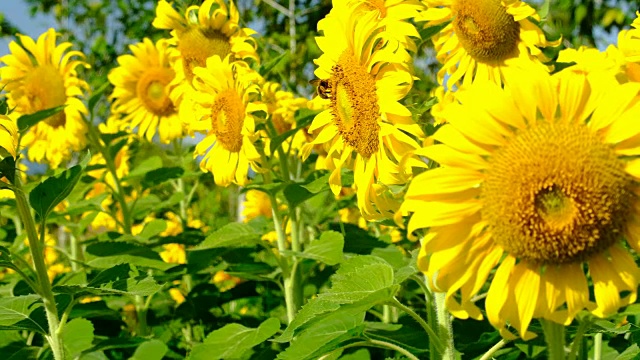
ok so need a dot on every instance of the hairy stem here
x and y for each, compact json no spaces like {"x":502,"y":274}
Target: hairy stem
{"x":37,"y":254}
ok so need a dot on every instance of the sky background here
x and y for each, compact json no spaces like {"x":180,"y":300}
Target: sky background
{"x":17,"y":12}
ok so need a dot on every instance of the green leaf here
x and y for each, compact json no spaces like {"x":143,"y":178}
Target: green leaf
{"x":132,"y":286}
{"x":269,"y":65}
{"x":26,"y":121}
{"x":16,"y":313}
{"x":54,"y":189}
{"x":428,"y":32}
{"x":233,"y":340}
{"x":161,"y":175}
{"x":150,"y":164}
{"x":630,"y":353}
{"x":8,"y":168}
{"x":544,"y":9}
{"x":361,"y":283}
{"x":314,"y":342}
{"x":115,"y":148}
{"x":96,"y":95}
{"x":110,"y":253}
{"x":153,"y":228}
{"x":327,"y":249}
{"x":77,"y":336}
{"x":150,"y":350}
{"x":321,"y":183}
{"x":230,"y":235}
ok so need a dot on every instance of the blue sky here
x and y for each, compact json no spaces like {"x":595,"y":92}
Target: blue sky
{"x":17,"y":12}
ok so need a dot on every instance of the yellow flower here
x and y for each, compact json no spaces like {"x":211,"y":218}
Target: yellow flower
{"x":177,"y":295}
{"x":38,"y":76}
{"x":541,"y":187}
{"x":392,"y":14}
{"x":204,"y":31}
{"x":365,"y":127}
{"x":281,"y":107}
{"x":174,"y":254}
{"x":256,"y":203}
{"x":224,"y":110}
{"x":482,"y":37}
{"x":629,"y":46}
{"x":141,"y":91}
{"x":224,"y":281}
{"x":8,"y":135}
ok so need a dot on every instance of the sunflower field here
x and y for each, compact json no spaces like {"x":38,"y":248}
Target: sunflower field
{"x":320,"y":179}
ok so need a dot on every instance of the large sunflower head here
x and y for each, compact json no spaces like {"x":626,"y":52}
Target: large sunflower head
{"x":203,"y":31}
{"x":540,"y":187}
{"x":365,"y":127}
{"x":141,"y":93}
{"x":224,"y":109}
{"x":42,"y":75}
{"x":481,"y":36}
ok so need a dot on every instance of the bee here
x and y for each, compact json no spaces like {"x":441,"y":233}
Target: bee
{"x":323,"y":89}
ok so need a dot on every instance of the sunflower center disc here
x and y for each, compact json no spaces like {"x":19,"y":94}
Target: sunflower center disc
{"x":227,"y":119}
{"x":556,"y":194}
{"x":44,"y":87}
{"x":485,"y":29}
{"x":151,"y":90}
{"x":196,"y":45}
{"x":354,"y":105}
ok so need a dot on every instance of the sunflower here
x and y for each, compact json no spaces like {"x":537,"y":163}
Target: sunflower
{"x":508,"y":196}
{"x":8,"y":136}
{"x":393,"y":15}
{"x":365,"y":127}
{"x":629,"y":47}
{"x":482,"y":36}
{"x":38,"y":76}
{"x":140,"y":91}
{"x":257,"y":203}
{"x":206,"y":30}
{"x":224,"y":111}
{"x":281,"y":108}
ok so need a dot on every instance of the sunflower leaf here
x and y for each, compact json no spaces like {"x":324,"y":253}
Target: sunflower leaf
{"x":27,"y":121}
{"x":233,"y":340}
{"x":54,"y":189}
{"x":326,"y":336}
{"x":19,"y":313}
{"x":361,"y":283}
{"x":77,"y":336}
{"x":327,"y":249}
{"x":230,"y":235}
{"x":150,"y":350}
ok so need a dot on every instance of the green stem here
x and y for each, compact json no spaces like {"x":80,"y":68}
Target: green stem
{"x":373,"y":343}
{"x":37,"y":254}
{"x":597,"y":346}
{"x":111,"y":167}
{"x":554,"y":337}
{"x":445,"y":331}
{"x":433,"y":337}
{"x":577,"y":340}
{"x":141,"y":310}
{"x":489,"y":354}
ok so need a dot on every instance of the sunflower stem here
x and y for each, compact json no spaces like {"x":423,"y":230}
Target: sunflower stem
{"x":445,"y":331}
{"x":489,"y":354}
{"x":554,"y":337}
{"x":433,"y":337}
{"x":577,"y":340}
{"x":37,"y":254}
{"x":111,"y":167}
{"x":597,"y":346}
